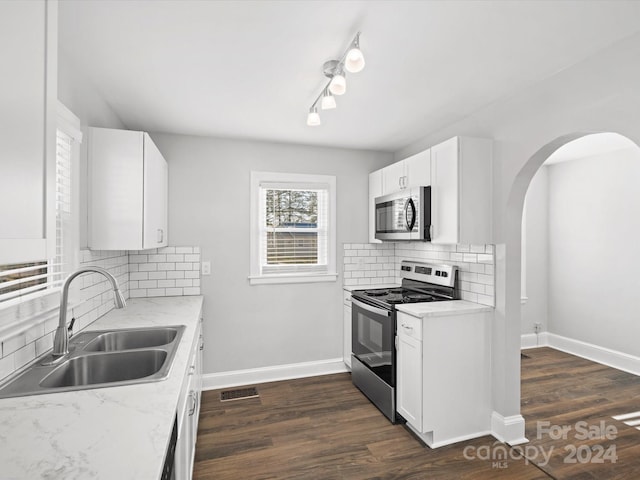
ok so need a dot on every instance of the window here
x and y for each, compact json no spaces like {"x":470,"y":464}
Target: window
{"x":21,"y":281}
{"x":292,"y":228}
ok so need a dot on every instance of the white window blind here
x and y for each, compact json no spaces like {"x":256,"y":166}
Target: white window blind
{"x":64,"y":152}
{"x":293,"y":233}
{"x":293,"y":228}
{"x":20,"y":281}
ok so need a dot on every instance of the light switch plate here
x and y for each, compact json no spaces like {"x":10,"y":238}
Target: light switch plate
{"x":206,"y":268}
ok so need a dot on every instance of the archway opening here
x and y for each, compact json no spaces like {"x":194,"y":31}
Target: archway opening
{"x":578,"y":295}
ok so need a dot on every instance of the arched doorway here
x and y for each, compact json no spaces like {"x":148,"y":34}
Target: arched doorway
{"x":506,"y":361}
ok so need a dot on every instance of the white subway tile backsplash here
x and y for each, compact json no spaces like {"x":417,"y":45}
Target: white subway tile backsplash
{"x":184,"y":249}
{"x":25,"y":355}
{"x":156,"y":292}
{"x":486,"y":258}
{"x":368,"y":264}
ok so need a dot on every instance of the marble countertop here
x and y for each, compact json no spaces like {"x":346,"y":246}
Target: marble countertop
{"x":432,"y":309}
{"x":105,"y":433}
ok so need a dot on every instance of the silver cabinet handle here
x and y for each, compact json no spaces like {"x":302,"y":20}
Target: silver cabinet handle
{"x":160,"y":235}
{"x":400,"y":182}
{"x":408,"y":327}
{"x":192,"y":369}
{"x":194,"y":398}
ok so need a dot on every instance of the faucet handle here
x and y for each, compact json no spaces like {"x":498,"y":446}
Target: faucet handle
{"x":70,"y":327}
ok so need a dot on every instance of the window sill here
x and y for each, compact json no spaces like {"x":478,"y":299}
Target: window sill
{"x":292,"y":278}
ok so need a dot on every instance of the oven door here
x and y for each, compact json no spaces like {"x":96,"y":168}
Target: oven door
{"x":373,"y":339}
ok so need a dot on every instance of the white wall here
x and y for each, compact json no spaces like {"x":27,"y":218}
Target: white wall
{"x":594,"y":224}
{"x":262,"y":325}
{"x":599,"y":94}
{"x":536,"y":259}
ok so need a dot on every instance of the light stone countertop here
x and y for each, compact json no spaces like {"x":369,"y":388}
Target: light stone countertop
{"x":432,"y":309}
{"x":105,"y":433}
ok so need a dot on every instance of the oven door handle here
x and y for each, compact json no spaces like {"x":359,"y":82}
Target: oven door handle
{"x":376,"y":310}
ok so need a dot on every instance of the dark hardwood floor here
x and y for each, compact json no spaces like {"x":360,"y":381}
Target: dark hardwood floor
{"x":324,"y":428}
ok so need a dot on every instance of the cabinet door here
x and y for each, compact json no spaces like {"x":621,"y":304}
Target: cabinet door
{"x":375,"y":190}
{"x":393,"y":178}
{"x":409,"y":380}
{"x":444,"y":192}
{"x":155,"y":196}
{"x":346,"y":347}
{"x":418,"y":169}
{"x":116,"y":174}
{"x":28,"y":46}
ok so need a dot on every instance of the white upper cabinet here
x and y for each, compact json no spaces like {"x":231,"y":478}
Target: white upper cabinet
{"x":418,"y":169}
{"x":28,"y":48}
{"x":393,"y":177}
{"x":461,"y":193}
{"x":410,"y":172}
{"x":128,"y":191}
{"x":375,"y":190}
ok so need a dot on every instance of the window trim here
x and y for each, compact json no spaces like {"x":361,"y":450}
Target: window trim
{"x":255,"y":275}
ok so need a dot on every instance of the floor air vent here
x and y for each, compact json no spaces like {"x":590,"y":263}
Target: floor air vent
{"x":239,"y":394}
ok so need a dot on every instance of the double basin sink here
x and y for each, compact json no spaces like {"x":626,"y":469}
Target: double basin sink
{"x":105,"y":358}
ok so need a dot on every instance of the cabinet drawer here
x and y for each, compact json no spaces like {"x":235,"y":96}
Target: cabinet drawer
{"x":346,"y":299}
{"x":409,"y":326}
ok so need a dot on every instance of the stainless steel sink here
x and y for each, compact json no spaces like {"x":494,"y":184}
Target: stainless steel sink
{"x":106,"y":368}
{"x":131,"y":339}
{"x":106,"y":358}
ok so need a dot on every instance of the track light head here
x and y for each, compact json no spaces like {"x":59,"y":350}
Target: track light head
{"x":313,"y":119}
{"x":354,"y":60}
{"x":328,"y":100}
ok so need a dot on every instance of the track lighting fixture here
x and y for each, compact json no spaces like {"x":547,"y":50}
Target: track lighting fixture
{"x":328,"y":100}
{"x":352,"y":61}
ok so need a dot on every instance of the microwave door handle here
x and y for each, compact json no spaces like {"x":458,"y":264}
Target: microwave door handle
{"x":410,"y":220}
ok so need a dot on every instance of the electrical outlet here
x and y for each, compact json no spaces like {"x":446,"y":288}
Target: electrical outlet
{"x":537,"y":327}
{"x":206,"y":268}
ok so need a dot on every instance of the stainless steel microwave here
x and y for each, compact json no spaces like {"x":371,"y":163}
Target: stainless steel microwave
{"x":404,"y":215}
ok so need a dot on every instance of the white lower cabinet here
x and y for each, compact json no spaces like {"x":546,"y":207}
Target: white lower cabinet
{"x":443,"y":376}
{"x":346,"y":310}
{"x":188,"y":413}
{"x":409,"y":373}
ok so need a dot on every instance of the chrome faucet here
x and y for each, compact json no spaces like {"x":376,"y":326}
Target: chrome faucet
{"x":61,"y":339}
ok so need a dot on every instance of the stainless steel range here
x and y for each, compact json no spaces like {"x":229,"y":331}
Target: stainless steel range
{"x":373,"y":323}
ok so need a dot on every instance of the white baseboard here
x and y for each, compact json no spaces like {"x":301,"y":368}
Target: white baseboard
{"x":529,"y":340}
{"x":509,"y":430}
{"x":213,"y":381}
{"x":605,"y":356}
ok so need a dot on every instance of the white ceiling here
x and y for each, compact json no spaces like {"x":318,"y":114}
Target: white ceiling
{"x":251,"y":69}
